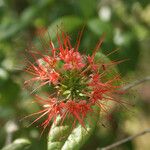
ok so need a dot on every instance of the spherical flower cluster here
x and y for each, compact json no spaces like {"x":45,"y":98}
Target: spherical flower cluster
{"x":76,"y":82}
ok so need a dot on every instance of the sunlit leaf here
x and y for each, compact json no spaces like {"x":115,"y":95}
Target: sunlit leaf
{"x":67,"y":137}
{"x":67,"y":24}
{"x":18,"y":144}
{"x":99,"y":27}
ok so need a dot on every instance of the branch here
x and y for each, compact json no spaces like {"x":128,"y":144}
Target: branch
{"x":125,"y":140}
{"x":123,"y":89}
{"x":134,"y":83}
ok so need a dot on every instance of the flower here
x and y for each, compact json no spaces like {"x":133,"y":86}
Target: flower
{"x":76,"y":82}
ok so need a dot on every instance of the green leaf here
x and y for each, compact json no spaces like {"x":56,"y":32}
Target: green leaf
{"x":105,"y":60}
{"x":67,"y":23}
{"x":18,"y":144}
{"x":88,"y":8}
{"x":26,"y":18}
{"x":99,"y":27}
{"x":67,"y":137}
{"x":9,"y":91}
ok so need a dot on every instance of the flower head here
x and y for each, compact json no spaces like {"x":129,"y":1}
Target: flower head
{"x":79,"y":82}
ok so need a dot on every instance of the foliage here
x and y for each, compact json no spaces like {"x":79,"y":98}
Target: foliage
{"x":125,"y":23}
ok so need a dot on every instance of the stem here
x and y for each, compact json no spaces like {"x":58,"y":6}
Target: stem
{"x":125,"y":140}
{"x":134,"y":83}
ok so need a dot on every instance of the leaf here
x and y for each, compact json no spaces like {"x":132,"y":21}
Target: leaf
{"x":26,"y":18}
{"x":88,"y":8}
{"x":32,"y":12}
{"x":67,"y":23}
{"x":18,"y":144}
{"x":9,"y":91}
{"x":99,"y":27}
{"x":113,"y":71}
{"x":66,"y":137}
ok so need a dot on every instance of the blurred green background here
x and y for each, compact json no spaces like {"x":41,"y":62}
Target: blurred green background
{"x":126,"y":24}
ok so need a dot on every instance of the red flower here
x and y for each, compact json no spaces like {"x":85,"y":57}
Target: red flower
{"x":43,"y":71}
{"x":72,"y":59}
{"x":53,"y":76}
{"x":78,"y":82}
